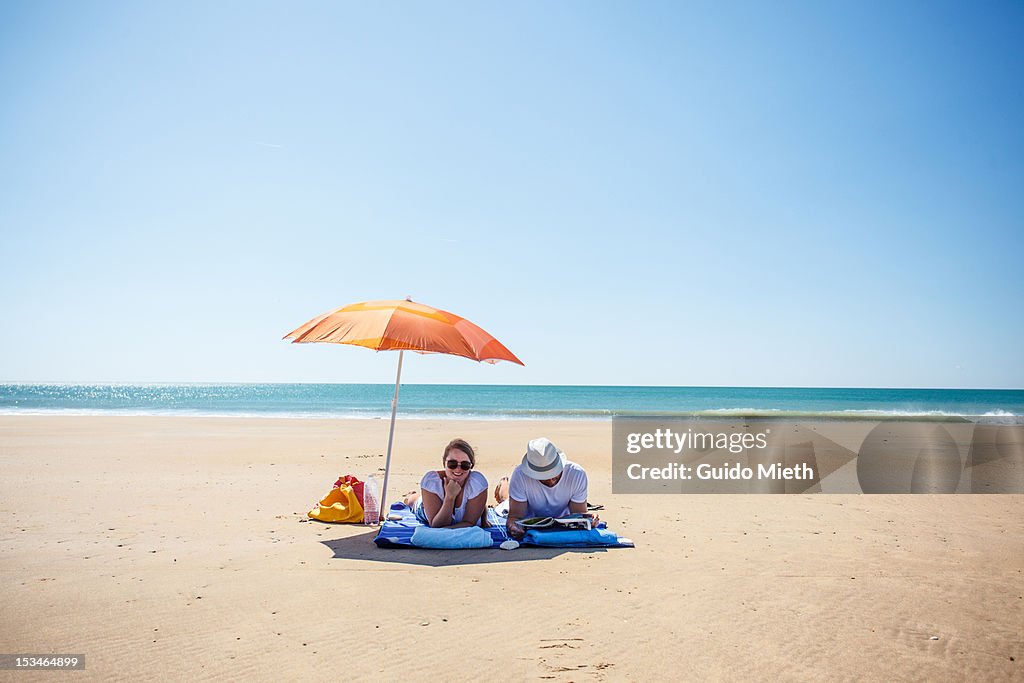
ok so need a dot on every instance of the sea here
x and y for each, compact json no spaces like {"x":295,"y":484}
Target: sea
{"x":451,"y":401}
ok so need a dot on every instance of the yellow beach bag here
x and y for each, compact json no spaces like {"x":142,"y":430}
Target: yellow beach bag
{"x":340,"y":505}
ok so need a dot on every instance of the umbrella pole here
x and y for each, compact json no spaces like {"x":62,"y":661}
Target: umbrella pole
{"x":391,"y":438}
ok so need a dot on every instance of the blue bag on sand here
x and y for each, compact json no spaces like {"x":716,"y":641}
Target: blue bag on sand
{"x":466,"y":537}
{"x":575,"y":538}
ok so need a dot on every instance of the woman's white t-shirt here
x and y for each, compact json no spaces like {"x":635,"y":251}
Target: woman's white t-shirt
{"x":475,"y":485}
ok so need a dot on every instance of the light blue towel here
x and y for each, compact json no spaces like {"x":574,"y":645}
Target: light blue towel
{"x":466,"y":537}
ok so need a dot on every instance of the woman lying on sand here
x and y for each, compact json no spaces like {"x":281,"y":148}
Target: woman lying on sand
{"x":455,"y":496}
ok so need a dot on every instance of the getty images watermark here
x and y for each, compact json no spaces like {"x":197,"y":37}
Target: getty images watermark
{"x":778,"y":455}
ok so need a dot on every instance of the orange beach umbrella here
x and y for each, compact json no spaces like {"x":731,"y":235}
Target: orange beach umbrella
{"x":402,"y":326}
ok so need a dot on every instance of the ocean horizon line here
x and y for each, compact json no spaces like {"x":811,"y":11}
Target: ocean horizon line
{"x":499,"y":401}
{"x":210,"y":383}
{"x":527,"y":415}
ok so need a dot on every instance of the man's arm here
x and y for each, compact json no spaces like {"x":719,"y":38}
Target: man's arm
{"x":580,"y":492}
{"x":581,"y":508}
{"x":516,"y":511}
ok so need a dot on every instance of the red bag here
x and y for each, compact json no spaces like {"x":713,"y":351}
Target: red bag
{"x":357,"y":486}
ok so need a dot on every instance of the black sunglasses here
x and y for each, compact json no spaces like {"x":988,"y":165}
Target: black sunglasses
{"x":464,"y":465}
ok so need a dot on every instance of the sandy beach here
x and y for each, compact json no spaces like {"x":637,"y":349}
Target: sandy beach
{"x":178,"y":549}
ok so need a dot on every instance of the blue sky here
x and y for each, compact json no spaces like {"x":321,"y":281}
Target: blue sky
{"x":753,"y":194}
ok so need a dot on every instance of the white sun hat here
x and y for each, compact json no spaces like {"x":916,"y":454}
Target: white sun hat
{"x":543,"y":460}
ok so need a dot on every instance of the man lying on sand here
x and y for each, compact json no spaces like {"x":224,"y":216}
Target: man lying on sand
{"x":545,"y":484}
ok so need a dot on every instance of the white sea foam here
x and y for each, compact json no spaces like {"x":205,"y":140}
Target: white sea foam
{"x":995,"y":416}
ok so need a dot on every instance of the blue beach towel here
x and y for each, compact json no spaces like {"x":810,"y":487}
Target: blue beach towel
{"x":398,"y":533}
{"x":573,"y":538}
{"x":465,"y":537}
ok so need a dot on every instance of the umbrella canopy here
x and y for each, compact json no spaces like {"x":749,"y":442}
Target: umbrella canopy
{"x":402,"y":326}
